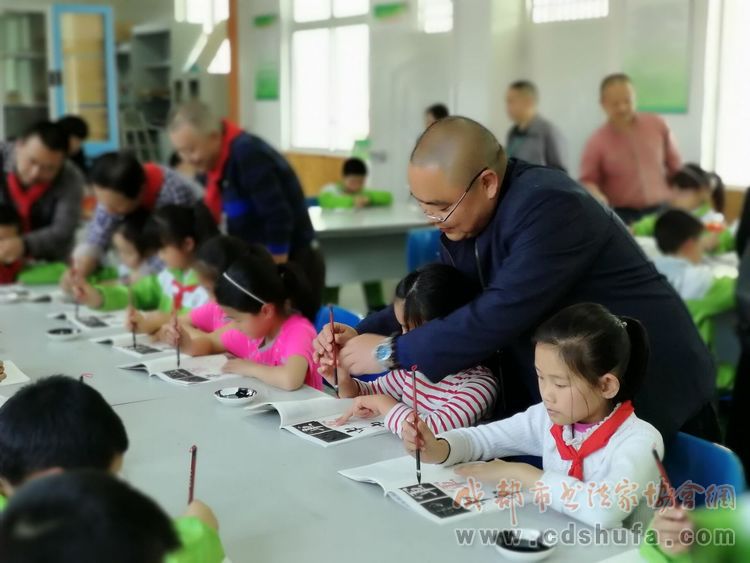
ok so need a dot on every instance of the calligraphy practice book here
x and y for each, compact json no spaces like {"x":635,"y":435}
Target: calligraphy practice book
{"x":91,"y":320}
{"x":313,"y":420}
{"x":143,"y":344}
{"x":442,"y":497}
{"x":192,"y":370}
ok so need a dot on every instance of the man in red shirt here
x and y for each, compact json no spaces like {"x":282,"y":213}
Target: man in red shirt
{"x":627,"y":161}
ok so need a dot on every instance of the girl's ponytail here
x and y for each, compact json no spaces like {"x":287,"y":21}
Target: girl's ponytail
{"x":298,"y":290}
{"x":640,"y":351}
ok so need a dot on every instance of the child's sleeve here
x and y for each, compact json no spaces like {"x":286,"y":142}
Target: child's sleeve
{"x":200,"y":542}
{"x":521,"y":434}
{"x":332,"y":198}
{"x":726,"y":242}
{"x":146,"y":295}
{"x":379,"y":197}
{"x":645,"y":226}
{"x":467,"y":405}
{"x":720,"y":297}
{"x":631,"y":464}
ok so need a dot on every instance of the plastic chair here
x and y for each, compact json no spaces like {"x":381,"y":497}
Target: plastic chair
{"x":703,"y":463}
{"x":340,"y":315}
{"x":422,"y":247}
{"x":312,"y":201}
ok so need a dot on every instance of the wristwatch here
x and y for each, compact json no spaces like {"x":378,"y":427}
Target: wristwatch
{"x":385,"y":353}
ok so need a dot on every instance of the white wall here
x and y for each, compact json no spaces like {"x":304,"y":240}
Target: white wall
{"x":492,"y":44}
{"x":567,"y":60}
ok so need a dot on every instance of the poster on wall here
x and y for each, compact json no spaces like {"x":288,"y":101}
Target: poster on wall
{"x":657,"y":53}
{"x":267,"y":74}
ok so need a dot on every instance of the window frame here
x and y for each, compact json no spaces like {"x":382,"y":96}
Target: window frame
{"x":329,"y":24}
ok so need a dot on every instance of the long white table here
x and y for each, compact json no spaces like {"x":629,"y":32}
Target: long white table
{"x":365,"y":244}
{"x":277,"y":497}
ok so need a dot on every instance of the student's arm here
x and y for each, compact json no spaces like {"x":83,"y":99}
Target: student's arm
{"x":197,"y":531}
{"x":196,"y":344}
{"x":726,"y":242}
{"x":554,"y":149}
{"x":645,"y":226}
{"x":333,"y":200}
{"x":289,"y":376}
{"x":378,"y":198}
{"x":53,"y":241}
{"x":521,"y":434}
{"x":146,"y":295}
{"x":97,"y":240}
{"x":471,"y":401}
{"x":719,"y":298}
{"x":557,"y":239}
{"x":632,"y":460}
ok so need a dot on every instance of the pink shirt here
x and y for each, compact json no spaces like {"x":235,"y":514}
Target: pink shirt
{"x":294,"y":339}
{"x":631,"y":167}
{"x":208,"y":317}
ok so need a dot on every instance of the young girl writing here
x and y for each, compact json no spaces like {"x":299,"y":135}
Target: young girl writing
{"x":268,"y":307}
{"x":180,"y":231}
{"x":212,"y":259}
{"x":589,"y":364}
{"x":433,"y":291}
{"x":137,"y":247}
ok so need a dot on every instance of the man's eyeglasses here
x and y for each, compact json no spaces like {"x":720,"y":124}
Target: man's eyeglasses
{"x":452,"y":208}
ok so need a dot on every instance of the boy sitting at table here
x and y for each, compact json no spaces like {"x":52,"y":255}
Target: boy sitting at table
{"x":679,"y":236}
{"x":57,"y":424}
{"x":350,"y":193}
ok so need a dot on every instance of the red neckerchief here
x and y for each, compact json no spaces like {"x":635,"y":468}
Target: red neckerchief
{"x":154,"y":183}
{"x":212,"y":197}
{"x":25,"y":199}
{"x":596,"y":441}
{"x":180,"y":292}
{"x":9,"y":272}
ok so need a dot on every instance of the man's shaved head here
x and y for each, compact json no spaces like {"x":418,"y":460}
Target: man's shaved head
{"x":455,"y":173}
{"x":460,"y":147}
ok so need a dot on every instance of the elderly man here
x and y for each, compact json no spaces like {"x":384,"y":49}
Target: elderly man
{"x":46,"y":192}
{"x":537,"y":242}
{"x":627,"y":162}
{"x":250,"y":183}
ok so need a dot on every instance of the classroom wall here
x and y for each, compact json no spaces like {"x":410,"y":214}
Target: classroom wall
{"x":492,"y":43}
{"x":567,"y":60}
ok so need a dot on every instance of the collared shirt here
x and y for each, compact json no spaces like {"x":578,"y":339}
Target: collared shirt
{"x":631,"y":167}
{"x":539,"y":143}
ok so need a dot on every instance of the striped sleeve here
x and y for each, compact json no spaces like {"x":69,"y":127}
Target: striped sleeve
{"x":391,"y":384}
{"x":469,"y":397}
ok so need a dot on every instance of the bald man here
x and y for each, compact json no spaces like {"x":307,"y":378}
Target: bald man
{"x":537,"y":242}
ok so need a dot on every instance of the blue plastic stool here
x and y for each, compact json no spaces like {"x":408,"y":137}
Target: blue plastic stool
{"x":704,"y":463}
{"x":422,"y":247}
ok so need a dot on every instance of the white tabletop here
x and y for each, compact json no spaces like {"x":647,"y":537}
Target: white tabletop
{"x":330,"y":223}
{"x":277,"y":497}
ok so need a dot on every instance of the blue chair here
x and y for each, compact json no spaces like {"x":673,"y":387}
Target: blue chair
{"x":688,"y":458}
{"x":312,"y":201}
{"x":344,"y":316}
{"x":422,"y":247}
{"x":340,"y":315}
